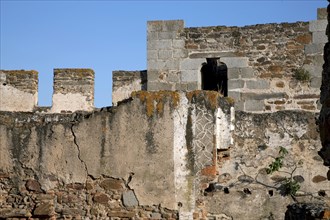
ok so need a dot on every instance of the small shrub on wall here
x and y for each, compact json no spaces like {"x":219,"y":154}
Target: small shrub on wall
{"x":302,"y":75}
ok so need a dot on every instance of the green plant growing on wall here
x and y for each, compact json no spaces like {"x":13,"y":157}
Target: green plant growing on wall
{"x":278,"y":162}
{"x":301,"y":74}
{"x":289,"y":186}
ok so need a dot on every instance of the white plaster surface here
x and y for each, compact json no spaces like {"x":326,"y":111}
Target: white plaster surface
{"x":184,"y":182}
{"x":12,"y":99}
{"x":70,"y":102}
{"x":125,"y":92}
{"x":223,"y":130}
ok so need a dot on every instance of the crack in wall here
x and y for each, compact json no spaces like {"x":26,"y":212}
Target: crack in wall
{"x":79,"y":153}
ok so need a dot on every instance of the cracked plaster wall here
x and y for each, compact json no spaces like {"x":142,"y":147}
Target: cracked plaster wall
{"x":93,"y":164}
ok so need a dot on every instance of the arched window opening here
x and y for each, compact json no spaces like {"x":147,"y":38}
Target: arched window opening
{"x":215,"y":76}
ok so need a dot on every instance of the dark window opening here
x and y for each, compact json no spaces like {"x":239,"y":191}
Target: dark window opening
{"x":215,"y":76}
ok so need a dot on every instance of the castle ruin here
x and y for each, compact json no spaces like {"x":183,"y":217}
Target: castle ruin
{"x":170,"y":148}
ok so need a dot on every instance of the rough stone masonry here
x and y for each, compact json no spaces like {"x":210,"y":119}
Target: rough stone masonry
{"x":175,"y":154}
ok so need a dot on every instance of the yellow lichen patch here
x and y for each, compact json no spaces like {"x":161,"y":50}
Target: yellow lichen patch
{"x":211,"y":97}
{"x":230,"y":100}
{"x":154,"y":101}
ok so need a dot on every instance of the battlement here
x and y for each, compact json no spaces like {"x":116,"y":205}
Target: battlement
{"x":73,"y":90}
{"x":18,"y":89}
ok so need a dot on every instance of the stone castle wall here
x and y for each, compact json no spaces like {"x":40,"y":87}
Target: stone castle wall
{"x":73,"y":91}
{"x":191,"y":157}
{"x":98,"y":165}
{"x":261,"y":61}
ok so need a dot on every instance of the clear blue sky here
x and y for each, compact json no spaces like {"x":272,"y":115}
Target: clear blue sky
{"x":111,"y":35}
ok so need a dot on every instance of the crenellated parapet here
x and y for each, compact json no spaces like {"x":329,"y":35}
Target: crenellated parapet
{"x":73,"y":90}
{"x":19,"y":90}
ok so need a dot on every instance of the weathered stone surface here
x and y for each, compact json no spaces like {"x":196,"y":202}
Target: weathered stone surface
{"x":44,"y":209}
{"x":33,"y":185}
{"x":322,"y":14}
{"x":112,"y":184}
{"x":262,"y":96}
{"x":319,"y":178}
{"x":14,"y":213}
{"x":19,"y":90}
{"x":73,"y":90}
{"x":237,"y":62}
{"x":235,"y":84}
{"x":257,"y":84}
{"x":314,"y":48}
{"x":129,"y":199}
{"x":318,"y":25}
{"x":189,"y":76}
{"x":319,"y":37}
{"x":254,"y":105}
{"x":101,"y":198}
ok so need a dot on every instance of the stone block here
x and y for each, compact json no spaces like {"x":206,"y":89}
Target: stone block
{"x":154,"y":26}
{"x":167,"y":26}
{"x":314,"y":49}
{"x":153,"y":75}
{"x":314,"y":70}
{"x":178,"y":44}
{"x":319,"y":37}
{"x":322,"y":14}
{"x":155,"y":86}
{"x":152,"y":55}
{"x":129,"y":199}
{"x":236,"y":84}
{"x":318,"y":60}
{"x":192,"y":64}
{"x":112,"y":184}
{"x":236,"y":95}
{"x":238,"y":62}
{"x":211,"y":54}
{"x":257,"y":84}
{"x":262,"y":96}
{"x":172,"y":64}
{"x":155,"y":65}
{"x":247,"y":73}
{"x":165,"y":54}
{"x":318,"y":25}
{"x":239,"y":105}
{"x":316,"y":82}
{"x":159,"y":45}
{"x":234,"y":73}
{"x":189,"y":76}
{"x":181,"y":86}
{"x":192,"y":86}
{"x":173,"y":76}
{"x":45,"y":209}
{"x":173,"y":25}
{"x":166,"y":35}
{"x":152,"y":36}
{"x":155,"y":215}
{"x":164,"y":65}
{"x":254,"y":105}
{"x":180,"y":53}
